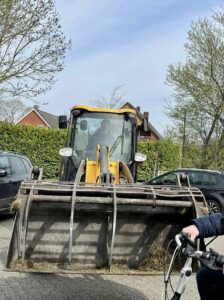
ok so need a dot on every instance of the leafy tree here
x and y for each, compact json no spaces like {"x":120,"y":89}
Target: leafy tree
{"x":199,"y":86}
{"x":32,"y":46}
{"x":161,"y":156}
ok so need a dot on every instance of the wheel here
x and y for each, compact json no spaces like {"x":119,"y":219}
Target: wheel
{"x":213,"y":206}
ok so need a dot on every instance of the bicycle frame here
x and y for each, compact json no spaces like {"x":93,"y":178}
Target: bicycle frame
{"x":209,"y":259}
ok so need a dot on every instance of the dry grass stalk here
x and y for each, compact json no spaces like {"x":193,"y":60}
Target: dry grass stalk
{"x":204,"y":210}
{"x":156,"y":259}
{"x":16,"y":204}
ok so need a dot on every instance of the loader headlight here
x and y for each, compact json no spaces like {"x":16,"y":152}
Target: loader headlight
{"x":66,"y":152}
{"x":140,"y":157}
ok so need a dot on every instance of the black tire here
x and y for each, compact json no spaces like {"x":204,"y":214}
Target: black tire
{"x":213,"y":206}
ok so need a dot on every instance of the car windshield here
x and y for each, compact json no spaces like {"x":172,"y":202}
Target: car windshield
{"x":107,"y":129}
{"x":170,"y":178}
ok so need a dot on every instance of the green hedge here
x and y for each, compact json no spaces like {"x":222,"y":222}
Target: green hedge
{"x":162,"y":156}
{"x":40,"y":145}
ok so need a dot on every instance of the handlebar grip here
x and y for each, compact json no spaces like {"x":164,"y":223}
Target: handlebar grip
{"x":189,"y":250}
{"x":185,"y":238}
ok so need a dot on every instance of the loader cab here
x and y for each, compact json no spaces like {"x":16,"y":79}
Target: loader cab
{"x":89,"y":127}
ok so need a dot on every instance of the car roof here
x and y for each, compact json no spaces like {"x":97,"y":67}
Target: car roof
{"x":11,"y":152}
{"x":199,"y":170}
{"x":186,"y":169}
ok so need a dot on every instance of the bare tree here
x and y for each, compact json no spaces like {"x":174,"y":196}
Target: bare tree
{"x":12,"y":109}
{"x":114,"y":100}
{"x":32,"y":47}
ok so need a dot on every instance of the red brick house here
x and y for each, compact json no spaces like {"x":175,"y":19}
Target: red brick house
{"x":38,"y":118}
{"x":153,"y":134}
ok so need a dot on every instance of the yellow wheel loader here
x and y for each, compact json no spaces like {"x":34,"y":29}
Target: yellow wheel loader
{"x":96,"y":218}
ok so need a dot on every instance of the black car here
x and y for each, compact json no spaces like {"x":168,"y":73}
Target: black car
{"x":211,"y":184}
{"x":14,"y":168}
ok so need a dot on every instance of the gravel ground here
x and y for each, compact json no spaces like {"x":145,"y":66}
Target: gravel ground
{"x":26,"y":286}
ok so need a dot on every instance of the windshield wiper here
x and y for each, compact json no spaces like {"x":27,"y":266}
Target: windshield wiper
{"x":115,"y":144}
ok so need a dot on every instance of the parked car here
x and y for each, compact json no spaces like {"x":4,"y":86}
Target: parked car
{"x":211,"y":184}
{"x":14,"y":168}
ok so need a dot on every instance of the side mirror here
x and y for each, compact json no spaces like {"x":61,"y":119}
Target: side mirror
{"x":62,"y":120}
{"x":83,"y":125}
{"x":3,"y":173}
{"x":66,"y":152}
{"x":140,"y":157}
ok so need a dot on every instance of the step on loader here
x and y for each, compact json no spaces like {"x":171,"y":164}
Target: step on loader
{"x":96,"y":218}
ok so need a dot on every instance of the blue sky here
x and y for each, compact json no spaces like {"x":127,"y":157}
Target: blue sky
{"x":118,"y":42}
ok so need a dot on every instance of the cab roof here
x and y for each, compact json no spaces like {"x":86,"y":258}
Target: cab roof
{"x":106,"y":110}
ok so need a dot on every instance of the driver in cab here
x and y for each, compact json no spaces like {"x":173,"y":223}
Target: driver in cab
{"x":102,"y":136}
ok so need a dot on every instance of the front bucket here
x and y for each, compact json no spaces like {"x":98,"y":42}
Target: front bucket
{"x":100,"y":229}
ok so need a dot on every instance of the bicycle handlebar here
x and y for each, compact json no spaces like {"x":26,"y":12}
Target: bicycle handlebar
{"x":210,"y":259}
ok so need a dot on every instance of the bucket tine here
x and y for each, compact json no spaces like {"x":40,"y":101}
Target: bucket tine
{"x":77,"y":180}
{"x":71,"y":223}
{"x":113,"y":226}
{"x":25,"y":221}
{"x":17,"y":216}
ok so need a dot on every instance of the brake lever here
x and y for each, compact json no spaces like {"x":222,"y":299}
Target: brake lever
{"x":183,"y":241}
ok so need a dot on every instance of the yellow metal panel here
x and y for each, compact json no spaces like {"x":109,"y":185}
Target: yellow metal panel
{"x":106,"y":110}
{"x":93,"y":168}
{"x":114,"y":169}
{"x":126,"y":172}
{"x":92,"y":171}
